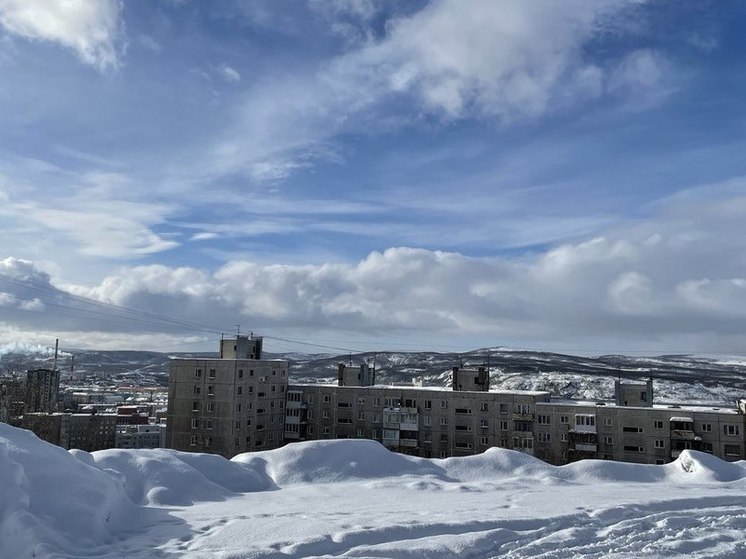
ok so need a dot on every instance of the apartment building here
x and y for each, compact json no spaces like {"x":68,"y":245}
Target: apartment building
{"x":140,"y":436}
{"x":84,"y":431}
{"x":235,"y":404}
{"x":229,"y":404}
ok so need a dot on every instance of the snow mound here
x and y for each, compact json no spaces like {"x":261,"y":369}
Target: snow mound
{"x":705,"y":467}
{"x":169,"y":477}
{"x":50,"y":499}
{"x":336,"y":461}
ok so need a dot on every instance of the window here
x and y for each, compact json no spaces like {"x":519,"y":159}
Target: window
{"x":643,"y":396}
{"x":731,"y":430}
{"x":273,"y":388}
{"x":361,"y":416}
{"x":523,"y":409}
{"x":503,"y":408}
{"x":608,"y":440}
{"x":376,"y":418}
{"x":198,"y":373}
{"x":325,"y":414}
{"x":608,"y":422}
{"x":428,"y":404}
{"x":326,"y":430}
{"x":210,"y":407}
{"x":732,"y":450}
{"x":707,"y":427}
{"x":632,"y":429}
{"x":564,"y":419}
{"x":484,"y":407}
{"x":503,"y":425}
{"x":327,"y":398}
{"x":543,"y":419}
{"x":343,"y":405}
{"x":248,"y":423}
{"x":211,"y":391}
{"x":444,"y":404}
{"x":374,"y":433}
{"x":660,"y":443}
{"x":484,"y":440}
{"x":195,"y":406}
{"x":208,"y":423}
{"x":484,"y":423}
{"x":361,"y":400}
{"x":376,"y":401}
{"x":240,"y":373}
{"x":544,"y":437}
{"x":261,"y":411}
{"x":208,"y":441}
{"x":193,"y":440}
{"x":359,"y":433}
{"x":444,"y":421}
{"x":628,"y":448}
{"x":211,"y":374}
{"x":463,"y":411}
{"x":195,"y":423}
{"x":659,"y":425}
{"x":344,"y":420}
{"x":196,"y":390}
{"x":707,"y":447}
{"x":563,"y":437}
{"x":463,"y":427}
{"x":585,"y":420}
{"x":427,"y":420}
{"x":251,"y":372}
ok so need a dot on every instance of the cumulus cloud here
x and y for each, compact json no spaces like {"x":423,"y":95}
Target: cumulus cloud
{"x":671,"y":283}
{"x":91,"y":28}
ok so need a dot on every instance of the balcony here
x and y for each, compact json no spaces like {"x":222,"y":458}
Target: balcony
{"x":585,"y":447}
{"x":584,"y":429}
{"x":411,"y":443}
{"x":685,"y":435}
{"x":523,"y":416}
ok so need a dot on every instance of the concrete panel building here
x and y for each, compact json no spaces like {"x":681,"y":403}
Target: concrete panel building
{"x":230,"y":404}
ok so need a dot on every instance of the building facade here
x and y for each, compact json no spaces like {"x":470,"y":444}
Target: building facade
{"x":229,"y":404}
{"x":236,"y":404}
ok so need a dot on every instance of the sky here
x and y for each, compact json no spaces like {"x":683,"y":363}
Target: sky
{"x":371,"y":174}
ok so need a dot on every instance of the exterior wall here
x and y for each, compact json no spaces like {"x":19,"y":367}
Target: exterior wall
{"x":226,"y":406}
{"x":87,"y":432}
{"x":140,"y":436}
{"x":349,"y":375}
{"x":420,"y":421}
{"x":646,"y":435}
{"x":470,"y":379}
{"x":42,"y":390}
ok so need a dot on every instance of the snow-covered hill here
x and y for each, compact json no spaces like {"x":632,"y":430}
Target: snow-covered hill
{"x":679,"y":378}
{"x":354,"y":498}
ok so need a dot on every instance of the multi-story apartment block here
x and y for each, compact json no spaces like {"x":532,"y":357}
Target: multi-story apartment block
{"x":140,"y":436}
{"x":230,"y":404}
{"x":84,"y":431}
{"x":42,"y":390}
{"x":234,"y":404}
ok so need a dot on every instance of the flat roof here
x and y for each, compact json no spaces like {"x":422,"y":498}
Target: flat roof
{"x":701,"y":408}
{"x":428,"y":388}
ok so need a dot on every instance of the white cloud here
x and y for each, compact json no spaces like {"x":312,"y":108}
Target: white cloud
{"x":506,"y":60}
{"x":91,"y":28}
{"x":229,"y":74}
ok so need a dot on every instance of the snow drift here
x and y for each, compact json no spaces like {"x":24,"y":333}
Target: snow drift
{"x":56,"y":503}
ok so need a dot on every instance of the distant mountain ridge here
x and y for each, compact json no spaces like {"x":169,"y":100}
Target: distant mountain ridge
{"x":678,"y":377}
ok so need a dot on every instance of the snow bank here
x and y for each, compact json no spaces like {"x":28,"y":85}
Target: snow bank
{"x":169,"y":477}
{"x":48,"y":499}
{"x":336,"y":461}
{"x":56,"y":503}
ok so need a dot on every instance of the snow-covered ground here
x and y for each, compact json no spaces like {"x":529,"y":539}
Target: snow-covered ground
{"x":355,"y":499}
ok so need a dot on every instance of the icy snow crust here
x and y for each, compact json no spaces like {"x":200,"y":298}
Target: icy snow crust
{"x":354,"y":498}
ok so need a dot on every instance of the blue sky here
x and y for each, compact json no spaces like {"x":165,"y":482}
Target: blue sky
{"x":368,"y":174}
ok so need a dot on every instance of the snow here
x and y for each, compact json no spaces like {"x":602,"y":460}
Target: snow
{"x":353,"y":498}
